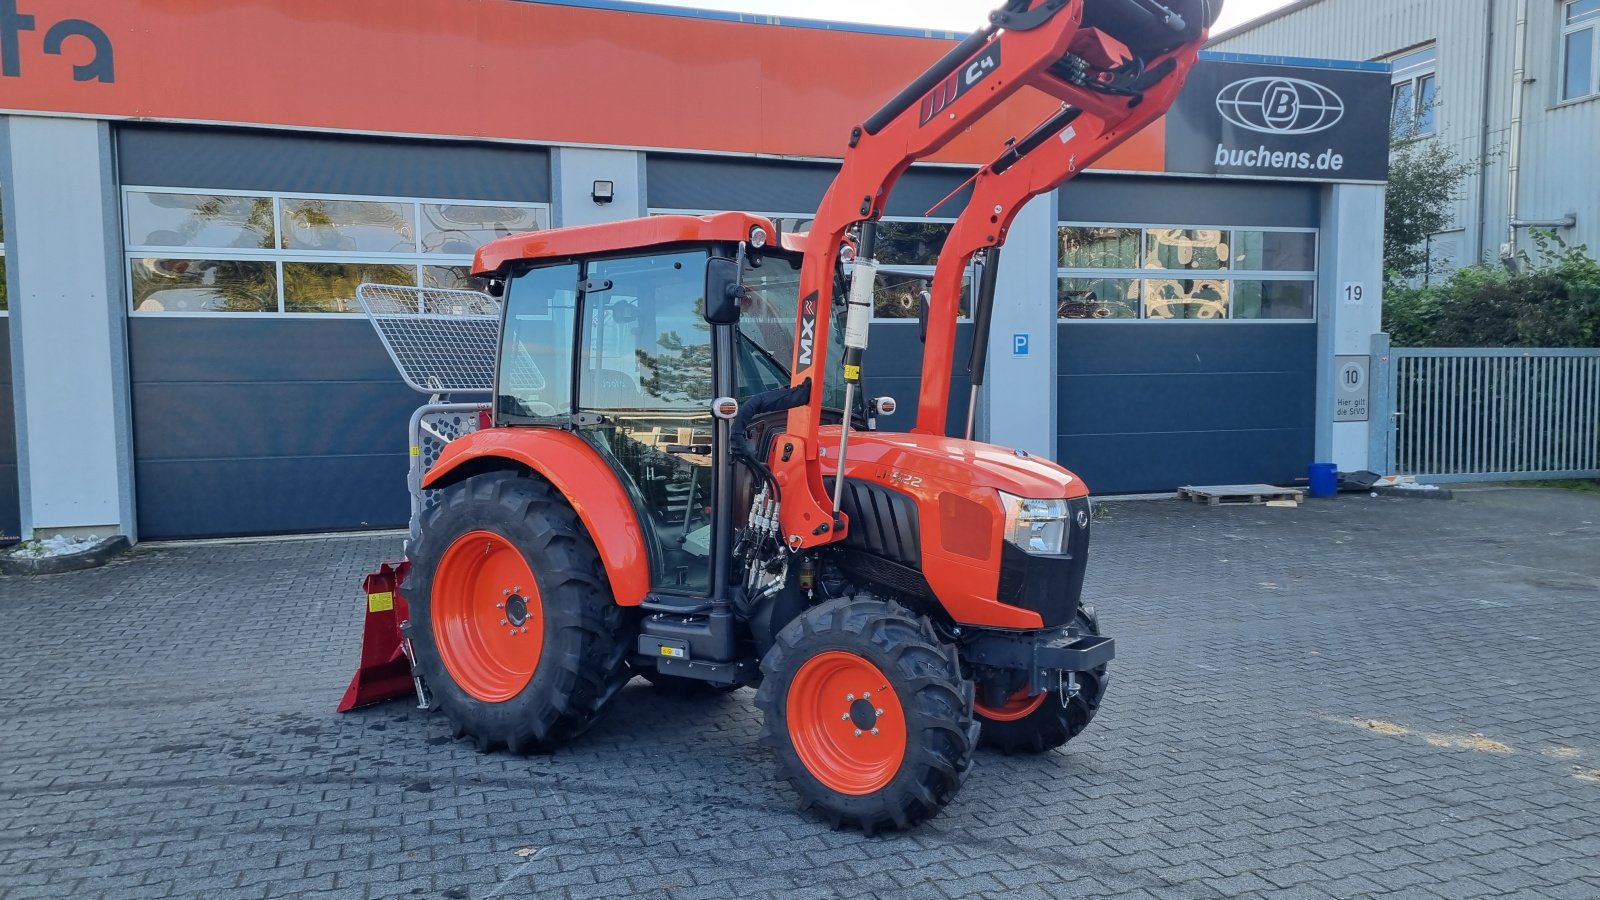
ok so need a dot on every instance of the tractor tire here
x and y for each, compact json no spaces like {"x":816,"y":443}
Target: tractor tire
{"x":678,"y":686}
{"x":868,"y":713}
{"x":1038,"y":724}
{"x":513,"y":626}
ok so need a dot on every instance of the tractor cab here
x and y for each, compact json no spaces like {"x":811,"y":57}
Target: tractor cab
{"x":630,"y":350}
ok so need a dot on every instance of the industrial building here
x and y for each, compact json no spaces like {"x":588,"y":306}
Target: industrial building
{"x":191,"y":195}
{"x":1512,"y":86}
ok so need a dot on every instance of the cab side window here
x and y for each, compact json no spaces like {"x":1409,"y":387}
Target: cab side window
{"x":535,"y":378}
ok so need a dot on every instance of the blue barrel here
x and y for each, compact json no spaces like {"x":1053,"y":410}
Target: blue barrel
{"x":1324,"y":479}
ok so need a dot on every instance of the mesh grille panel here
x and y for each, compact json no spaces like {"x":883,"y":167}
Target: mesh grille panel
{"x":441,"y":341}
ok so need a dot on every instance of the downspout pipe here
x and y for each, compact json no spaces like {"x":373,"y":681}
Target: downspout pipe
{"x":1519,"y":88}
{"x":1490,"y":7}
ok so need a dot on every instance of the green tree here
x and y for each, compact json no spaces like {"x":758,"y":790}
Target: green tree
{"x":1425,"y":180}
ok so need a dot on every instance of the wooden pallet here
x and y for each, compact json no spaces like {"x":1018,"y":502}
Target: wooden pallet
{"x":1239,"y":494}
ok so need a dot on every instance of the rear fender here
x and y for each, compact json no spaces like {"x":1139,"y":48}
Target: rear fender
{"x":580,"y":474}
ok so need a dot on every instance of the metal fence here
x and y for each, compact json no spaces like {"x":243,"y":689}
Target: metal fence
{"x":1493,"y":415}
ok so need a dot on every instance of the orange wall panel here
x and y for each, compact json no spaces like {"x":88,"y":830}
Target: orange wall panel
{"x":498,"y":69}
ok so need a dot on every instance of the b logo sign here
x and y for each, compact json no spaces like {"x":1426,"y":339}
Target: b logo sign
{"x":1280,"y":105}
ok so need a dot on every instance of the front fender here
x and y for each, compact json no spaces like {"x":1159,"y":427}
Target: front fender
{"x":581,"y":475}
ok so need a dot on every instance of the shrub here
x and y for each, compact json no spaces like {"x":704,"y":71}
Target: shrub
{"x":1553,"y":301}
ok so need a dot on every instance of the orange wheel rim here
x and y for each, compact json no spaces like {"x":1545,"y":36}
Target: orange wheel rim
{"x":846,"y":724}
{"x":487,"y":617}
{"x":1018,"y":706}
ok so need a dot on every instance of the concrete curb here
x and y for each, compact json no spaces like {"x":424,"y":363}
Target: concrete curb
{"x":98,"y":555}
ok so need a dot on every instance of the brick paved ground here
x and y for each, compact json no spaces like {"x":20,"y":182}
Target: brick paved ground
{"x":1358,"y":697}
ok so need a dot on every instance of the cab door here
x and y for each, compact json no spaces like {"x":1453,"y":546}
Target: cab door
{"x":645,"y":385}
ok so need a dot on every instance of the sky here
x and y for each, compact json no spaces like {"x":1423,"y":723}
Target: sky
{"x":942,"y":15}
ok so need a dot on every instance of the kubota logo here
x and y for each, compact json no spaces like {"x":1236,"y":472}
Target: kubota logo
{"x":1275,"y":105}
{"x":100,"y":67}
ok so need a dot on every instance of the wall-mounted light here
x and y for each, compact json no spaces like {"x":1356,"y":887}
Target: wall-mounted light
{"x":604,"y":192}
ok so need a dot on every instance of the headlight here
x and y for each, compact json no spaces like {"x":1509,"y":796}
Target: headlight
{"x":1035,"y":526}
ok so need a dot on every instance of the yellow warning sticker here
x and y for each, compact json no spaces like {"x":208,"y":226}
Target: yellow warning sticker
{"x":671,"y":651}
{"x":852,"y":373}
{"x":415,"y":450}
{"x":380,"y":602}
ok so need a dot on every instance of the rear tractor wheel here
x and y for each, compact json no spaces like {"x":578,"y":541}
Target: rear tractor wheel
{"x":1026,"y":724}
{"x":868,"y":713}
{"x":513,"y":625}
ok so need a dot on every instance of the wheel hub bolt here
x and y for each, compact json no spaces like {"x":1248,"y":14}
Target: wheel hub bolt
{"x":866,"y":695}
{"x":858,"y":732}
{"x":874,"y":732}
{"x":878,"y":711}
{"x":845,"y":717}
{"x":503,"y":622}
{"x":849,"y":698}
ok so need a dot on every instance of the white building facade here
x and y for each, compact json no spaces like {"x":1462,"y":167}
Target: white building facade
{"x":1512,"y":86}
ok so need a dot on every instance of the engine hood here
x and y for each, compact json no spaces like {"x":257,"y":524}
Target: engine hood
{"x":951,"y":461}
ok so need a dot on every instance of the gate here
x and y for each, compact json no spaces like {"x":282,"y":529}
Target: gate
{"x":1490,"y":415}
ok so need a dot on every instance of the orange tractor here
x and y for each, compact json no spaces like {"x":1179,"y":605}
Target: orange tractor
{"x":679,"y":477}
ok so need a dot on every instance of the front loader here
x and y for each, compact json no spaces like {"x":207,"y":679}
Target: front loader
{"x":673,"y":469}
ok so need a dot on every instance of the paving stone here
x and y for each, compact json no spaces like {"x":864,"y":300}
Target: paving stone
{"x":1301,"y":707}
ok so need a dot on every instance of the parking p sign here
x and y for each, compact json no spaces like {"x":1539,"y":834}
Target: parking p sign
{"x":1019,"y":344}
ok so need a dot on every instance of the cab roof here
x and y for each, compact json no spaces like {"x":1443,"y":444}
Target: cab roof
{"x":610,"y":237}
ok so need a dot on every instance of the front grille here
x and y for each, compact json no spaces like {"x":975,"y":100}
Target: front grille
{"x":1049,"y":585}
{"x":883,"y":522}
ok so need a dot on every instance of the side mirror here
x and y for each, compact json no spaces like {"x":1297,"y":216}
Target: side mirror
{"x":722,"y":291}
{"x":924,"y":300}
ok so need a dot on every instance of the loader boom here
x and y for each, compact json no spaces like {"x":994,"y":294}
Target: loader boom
{"x":1039,"y":44}
{"x":1080,"y":134}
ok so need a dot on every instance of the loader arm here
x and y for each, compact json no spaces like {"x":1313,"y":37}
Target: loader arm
{"x":1035,"y":44}
{"x":1088,"y":126}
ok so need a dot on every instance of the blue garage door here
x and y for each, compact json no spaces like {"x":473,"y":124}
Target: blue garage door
{"x":262,"y":400}
{"x":1149,"y":408}
{"x":1188,"y":337}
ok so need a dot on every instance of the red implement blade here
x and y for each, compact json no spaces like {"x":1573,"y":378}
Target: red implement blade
{"x":385,"y":672}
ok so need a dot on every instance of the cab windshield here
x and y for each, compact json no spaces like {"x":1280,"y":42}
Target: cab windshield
{"x":767,"y":316}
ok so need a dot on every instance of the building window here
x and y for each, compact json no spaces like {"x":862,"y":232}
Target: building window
{"x":1155,"y":274}
{"x":198,"y":251}
{"x":908,"y":253}
{"x":1580,"y":47}
{"x":1415,"y":91}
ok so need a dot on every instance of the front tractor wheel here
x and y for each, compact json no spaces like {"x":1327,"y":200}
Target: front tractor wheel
{"x":868,"y":713}
{"x":1036,"y":724}
{"x":513,"y":626}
